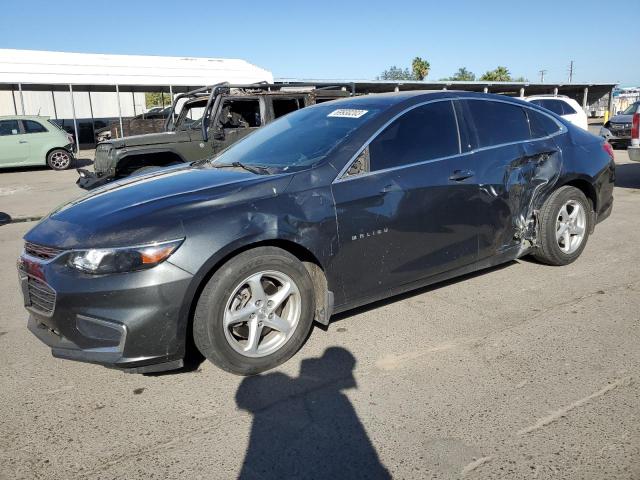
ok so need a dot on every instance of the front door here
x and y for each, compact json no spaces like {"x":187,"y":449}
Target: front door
{"x":237,"y":118}
{"x":14,"y":147}
{"x":406,"y":210}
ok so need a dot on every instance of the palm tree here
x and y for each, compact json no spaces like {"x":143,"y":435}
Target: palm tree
{"x":420,"y":68}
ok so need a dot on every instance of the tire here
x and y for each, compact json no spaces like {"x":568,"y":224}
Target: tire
{"x":59,"y":159}
{"x":554,"y":249}
{"x":239,"y":280}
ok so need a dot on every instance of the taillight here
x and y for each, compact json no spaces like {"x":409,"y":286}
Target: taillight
{"x":635,"y":127}
{"x":606,"y":146}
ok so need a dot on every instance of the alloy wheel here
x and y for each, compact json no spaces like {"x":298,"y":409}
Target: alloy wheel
{"x":262,"y":313}
{"x":570,"y":226}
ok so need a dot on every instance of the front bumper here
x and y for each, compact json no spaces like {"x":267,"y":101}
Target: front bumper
{"x":615,"y":135}
{"x":128,"y":321}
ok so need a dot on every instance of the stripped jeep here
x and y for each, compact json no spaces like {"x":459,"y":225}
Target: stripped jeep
{"x":210,"y":119}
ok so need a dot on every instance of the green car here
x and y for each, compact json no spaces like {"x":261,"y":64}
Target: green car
{"x":27,"y":141}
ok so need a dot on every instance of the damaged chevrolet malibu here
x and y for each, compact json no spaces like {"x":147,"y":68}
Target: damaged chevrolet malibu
{"x":326,"y":209}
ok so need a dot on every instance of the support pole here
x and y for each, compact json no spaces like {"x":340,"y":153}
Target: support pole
{"x":610,"y":107}
{"x":21,"y":98}
{"x":55,"y":110}
{"x":119,"y":110}
{"x":521,"y":92}
{"x":13,"y":97}
{"x":93,"y":122}
{"x":133,"y":100}
{"x":173,"y":113}
{"x":75,"y":120}
{"x":555,"y":91}
{"x":584,"y":98}
{"x":485,"y":90}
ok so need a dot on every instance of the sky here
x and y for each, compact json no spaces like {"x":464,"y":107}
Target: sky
{"x":347,"y":39}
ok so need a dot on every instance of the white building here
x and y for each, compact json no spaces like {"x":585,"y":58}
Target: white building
{"x":38,"y":82}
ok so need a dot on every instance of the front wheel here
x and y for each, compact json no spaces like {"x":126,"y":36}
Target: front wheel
{"x":59,"y":159}
{"x":565,"y":222}
{"x":255,"y":312}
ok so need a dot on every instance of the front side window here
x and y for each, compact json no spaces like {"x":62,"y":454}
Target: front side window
{"x":240,"y":114}
{"x":424,"y":133}
{"x":9,"y":127}
{"x":496,"y":123}
{"x":31,"y":126}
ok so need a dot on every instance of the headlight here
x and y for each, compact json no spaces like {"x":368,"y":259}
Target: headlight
{"x":125,"y":259}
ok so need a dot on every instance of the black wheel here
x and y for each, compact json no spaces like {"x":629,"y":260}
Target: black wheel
{"x":59,"y":159}
{"x":565,"y":223}
{"x":255,"y":312}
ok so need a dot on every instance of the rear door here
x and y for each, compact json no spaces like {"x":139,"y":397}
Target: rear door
{"x":406,"y":206}
{"x":511,"y":168}
{"x":14,"y":148}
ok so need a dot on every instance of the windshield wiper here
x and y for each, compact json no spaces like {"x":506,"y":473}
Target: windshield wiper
{"x":249,"y":168}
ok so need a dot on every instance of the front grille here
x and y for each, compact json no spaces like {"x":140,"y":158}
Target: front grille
{"x":101,"y":160}
{"x":40,"y":251}
{"x":41,"y":296}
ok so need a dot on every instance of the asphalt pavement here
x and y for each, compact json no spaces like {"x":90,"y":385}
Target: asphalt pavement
{"x":521,"y":371}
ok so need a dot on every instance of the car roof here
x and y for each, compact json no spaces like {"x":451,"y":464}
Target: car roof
{"x":23,"y":117}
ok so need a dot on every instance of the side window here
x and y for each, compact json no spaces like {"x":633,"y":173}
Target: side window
{"x":31,"y":126}
{"x":282,"y":106}
{"x":541,"y":125}
{"x":240,"y":114}
{"x":9,"y":127}
{"x":424,"y":133}
{"x":568,"y":109}
{"x":496,"y":123}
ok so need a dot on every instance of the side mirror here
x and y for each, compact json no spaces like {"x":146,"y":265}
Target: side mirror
{"x":5,"y":218}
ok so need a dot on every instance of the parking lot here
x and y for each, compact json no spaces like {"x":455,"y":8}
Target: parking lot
{"x":521,"y":371}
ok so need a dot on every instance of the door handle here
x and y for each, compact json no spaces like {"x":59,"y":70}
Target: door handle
{"x":22,"y":141}
{"x":460,"y":175}
{"x":392,"y":187}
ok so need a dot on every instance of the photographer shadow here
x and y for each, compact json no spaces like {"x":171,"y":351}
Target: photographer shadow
{"x":306,"y":427}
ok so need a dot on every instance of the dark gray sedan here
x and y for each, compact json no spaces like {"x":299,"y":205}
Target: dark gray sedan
{"x":328,"y":208}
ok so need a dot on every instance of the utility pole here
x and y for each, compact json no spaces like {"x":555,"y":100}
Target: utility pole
{"x":571,"y":71}
{"x":542,"y":72}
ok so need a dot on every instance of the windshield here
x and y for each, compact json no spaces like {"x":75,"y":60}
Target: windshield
{"x":191,"y":115}
{"x":631,"y":109}
{"x":299,"y":139}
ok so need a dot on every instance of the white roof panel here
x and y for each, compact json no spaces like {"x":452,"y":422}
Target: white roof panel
{"x":41,"y":67}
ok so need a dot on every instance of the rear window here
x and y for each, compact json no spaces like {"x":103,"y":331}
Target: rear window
{"x":559,"y":107}
{"x":495,"y":123}
{"x":9,"y":127}
{"x":31,"y":126}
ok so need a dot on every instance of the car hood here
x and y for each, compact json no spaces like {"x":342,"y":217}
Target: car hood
{"x":621,"y":119}
{"x":146,"y":139}
{"x":152,"y":207}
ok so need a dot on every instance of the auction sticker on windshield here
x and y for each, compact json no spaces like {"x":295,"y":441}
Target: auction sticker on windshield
{"x":347,"y":113}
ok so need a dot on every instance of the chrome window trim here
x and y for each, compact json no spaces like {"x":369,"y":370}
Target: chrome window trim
{"x":342,"y":178}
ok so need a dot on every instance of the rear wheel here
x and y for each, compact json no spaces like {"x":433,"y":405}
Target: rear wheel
{"x":565,"y":223}
{"x":255,"y":312}
{"x":59,"y":159}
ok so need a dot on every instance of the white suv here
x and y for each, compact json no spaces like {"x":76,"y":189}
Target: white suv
{"x":566,"y":107}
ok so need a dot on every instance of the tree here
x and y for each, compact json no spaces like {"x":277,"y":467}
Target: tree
{"x":396,"y":73}
{"x":157,"y":99}
{"x":420,"y":68}
{"x":500,"y":74}
{"x":521,"y":78}
{"x":462,"y":75}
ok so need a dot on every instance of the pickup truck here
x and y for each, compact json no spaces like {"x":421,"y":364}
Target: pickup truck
{"x":211,"y":119}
